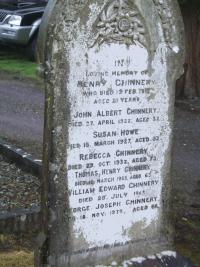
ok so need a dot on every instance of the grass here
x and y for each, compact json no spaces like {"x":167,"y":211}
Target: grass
{"x":20,"y":67}
{"x":17,"y":64}
{"x":16,"y":259}
{"x":16,"y":251}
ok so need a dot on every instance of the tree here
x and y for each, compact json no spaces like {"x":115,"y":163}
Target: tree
{"x":189,"y":84}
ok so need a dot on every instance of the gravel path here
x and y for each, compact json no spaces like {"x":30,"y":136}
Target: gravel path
{"x":18,"y":190}
{"x":21,"y":113}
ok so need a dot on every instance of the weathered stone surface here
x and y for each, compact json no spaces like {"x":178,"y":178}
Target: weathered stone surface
{"x":110,"y":70}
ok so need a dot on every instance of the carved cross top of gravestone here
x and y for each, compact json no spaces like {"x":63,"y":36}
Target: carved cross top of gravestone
{"x":111,"y":68}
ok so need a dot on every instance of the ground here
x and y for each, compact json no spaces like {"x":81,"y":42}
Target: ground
{"x":186,"y":178}
{"x":21,"y":122}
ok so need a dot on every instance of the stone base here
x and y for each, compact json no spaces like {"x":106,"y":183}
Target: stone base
{"x":164,"y":259}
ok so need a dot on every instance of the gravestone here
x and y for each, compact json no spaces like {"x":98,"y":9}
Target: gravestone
{"x":110,"y":69}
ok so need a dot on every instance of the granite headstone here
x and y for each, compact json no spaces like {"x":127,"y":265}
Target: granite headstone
{"x":110,"y":69}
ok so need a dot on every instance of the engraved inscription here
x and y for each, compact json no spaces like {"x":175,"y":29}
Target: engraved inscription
{"x":118,"y":135}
